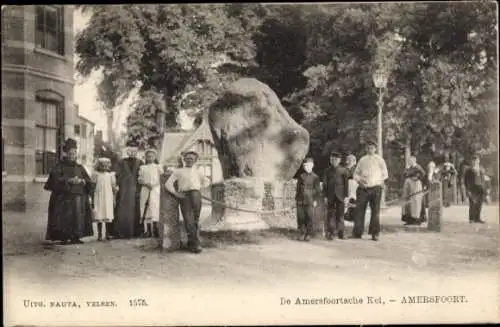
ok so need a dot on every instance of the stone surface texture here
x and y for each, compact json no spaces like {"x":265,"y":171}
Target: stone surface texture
{"x":254,"y":135}
{"x":260,"y":148}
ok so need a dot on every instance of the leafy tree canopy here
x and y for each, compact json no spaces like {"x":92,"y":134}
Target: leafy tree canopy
{"x":440,"y":59}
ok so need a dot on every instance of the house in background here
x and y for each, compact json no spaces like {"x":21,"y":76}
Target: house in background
{"x":85,"y":137}
{"x":37,"y":96}
{"x":199,"y":140}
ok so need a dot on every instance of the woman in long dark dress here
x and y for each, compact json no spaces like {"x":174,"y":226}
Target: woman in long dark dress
{"x":70,"y":213}
{"x":127,"y":223}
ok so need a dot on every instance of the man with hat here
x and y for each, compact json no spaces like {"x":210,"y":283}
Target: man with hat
{"x":70,"y":212}
{"x":307,"y":196}
{"x":335,"y":187}
{"x":127,"y":218}
{"x":475,"y":182}
{"x":370,"y":174}
{"x":189,"y":183}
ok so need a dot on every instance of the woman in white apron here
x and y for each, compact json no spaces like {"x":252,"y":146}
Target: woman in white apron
{"x":413,"y":193}
{"x":149,"y":179}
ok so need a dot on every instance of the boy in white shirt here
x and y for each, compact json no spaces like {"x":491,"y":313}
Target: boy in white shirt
{"x":189,"y":182}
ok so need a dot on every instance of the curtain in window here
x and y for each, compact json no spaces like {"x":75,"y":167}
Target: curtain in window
{"x":49,"y":28}
{"x":47,"y":136}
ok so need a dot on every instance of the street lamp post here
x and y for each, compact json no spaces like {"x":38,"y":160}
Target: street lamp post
{"x":380,"y":81}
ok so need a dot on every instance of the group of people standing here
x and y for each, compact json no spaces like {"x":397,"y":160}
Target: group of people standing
{"x":348,"y":189}
{"x":124,"y":202}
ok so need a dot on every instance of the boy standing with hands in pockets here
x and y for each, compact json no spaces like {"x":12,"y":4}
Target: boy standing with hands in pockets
{"x":308,"y":193}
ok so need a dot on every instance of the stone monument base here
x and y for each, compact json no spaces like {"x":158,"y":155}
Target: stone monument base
{"x":237,"y":205}
{"x":233,"y":222}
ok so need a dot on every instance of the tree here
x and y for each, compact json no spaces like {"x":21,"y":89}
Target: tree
{"x":165,"y":49}
{"x":439,"y":77}
{"x":438,"y":91}
{"x":319,"y":59}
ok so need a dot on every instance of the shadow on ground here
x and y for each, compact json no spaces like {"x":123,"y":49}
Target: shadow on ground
{"x":214,"y":239}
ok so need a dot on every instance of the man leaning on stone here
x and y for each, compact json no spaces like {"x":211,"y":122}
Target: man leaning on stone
{"x":189,"y":182}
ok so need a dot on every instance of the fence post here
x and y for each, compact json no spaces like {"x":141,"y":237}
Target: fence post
{"x":435,"y":206}
{"x":455,"y":190}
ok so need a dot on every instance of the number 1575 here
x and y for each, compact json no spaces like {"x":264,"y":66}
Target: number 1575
{"x":138,"y":303}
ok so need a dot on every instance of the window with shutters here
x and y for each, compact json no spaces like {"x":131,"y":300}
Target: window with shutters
{"x":48,"y":135}
{"x":50,"y":28}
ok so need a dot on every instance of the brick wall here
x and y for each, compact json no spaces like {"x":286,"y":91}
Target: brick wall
{"x":28,"y":73}
{"x":25,"y":196}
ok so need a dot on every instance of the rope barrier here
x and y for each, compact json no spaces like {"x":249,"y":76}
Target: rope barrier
{"x":268,"y":213}
{"x":293,"y":207}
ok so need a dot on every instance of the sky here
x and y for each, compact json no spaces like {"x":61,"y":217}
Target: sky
{"x":85,"y":94}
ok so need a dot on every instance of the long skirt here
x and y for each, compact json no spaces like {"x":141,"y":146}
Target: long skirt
{"x":127,"y":212}
{"x":70,"y":217}
{"x":412,"y":208}
{"x":151,"y":211}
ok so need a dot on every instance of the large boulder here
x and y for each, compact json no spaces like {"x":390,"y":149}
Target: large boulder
{"x":254,"y":135}
{"x":258,"y":143}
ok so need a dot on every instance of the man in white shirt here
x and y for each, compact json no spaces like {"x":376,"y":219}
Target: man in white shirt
{"x":370,"y":174}
{"x":189,"y":183}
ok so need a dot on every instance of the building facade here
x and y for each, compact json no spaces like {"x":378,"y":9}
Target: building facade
{"x":84,"y":134}
{"x":200,"y":140}
{"x":37,"y":95}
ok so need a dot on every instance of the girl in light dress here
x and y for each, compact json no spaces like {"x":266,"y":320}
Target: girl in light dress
{"x":149,"y":179}
{"x":104,"y":196}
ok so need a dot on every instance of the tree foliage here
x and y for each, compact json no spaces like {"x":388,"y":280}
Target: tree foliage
{"x":164,"y":49}
{"x":319,"y":59}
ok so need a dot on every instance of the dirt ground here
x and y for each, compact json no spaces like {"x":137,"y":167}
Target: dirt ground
{"x":406,"y":260}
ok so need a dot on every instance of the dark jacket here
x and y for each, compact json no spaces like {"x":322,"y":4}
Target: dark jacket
{"x":335,"y":182}
{"x":474,"y":180}
{"x":308,"y":188}
{"x":416,"y":171}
